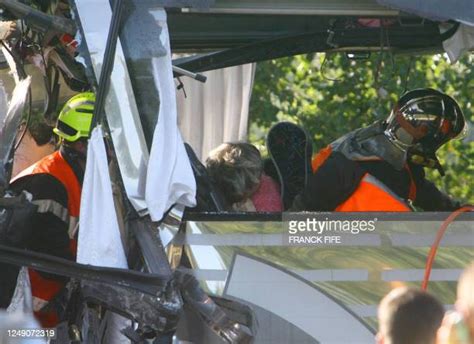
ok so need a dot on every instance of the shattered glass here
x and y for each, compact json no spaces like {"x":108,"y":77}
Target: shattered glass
{"x":8,"y":130}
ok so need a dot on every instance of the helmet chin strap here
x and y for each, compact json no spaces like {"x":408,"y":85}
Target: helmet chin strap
{"x":417,"y":133}
{"x":78,"y":150}
{"x":424,"y":161}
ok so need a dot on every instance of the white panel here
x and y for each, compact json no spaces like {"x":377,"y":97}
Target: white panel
{"x":295,"y":301}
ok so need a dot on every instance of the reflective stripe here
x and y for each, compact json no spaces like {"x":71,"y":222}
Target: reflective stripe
{"x":374,"y":181}
{"x":373,"y":195}
{"x":73,"y":226}
{"x":50,"y":206}
{"x":56,"y":166}
{"x":38,"y":304}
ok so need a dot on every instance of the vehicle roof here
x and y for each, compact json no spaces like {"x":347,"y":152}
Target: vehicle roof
{"x":238,"y":32}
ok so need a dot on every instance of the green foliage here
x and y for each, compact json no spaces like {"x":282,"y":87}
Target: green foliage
{"x":330,"y":95}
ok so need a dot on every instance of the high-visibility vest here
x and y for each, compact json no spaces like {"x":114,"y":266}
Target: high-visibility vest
{"x":44,"y":289}
{"x":320,"y":158}
{"x":373,"y":195}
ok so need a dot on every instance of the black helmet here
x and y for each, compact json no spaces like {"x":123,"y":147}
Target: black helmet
{"x":423,"y":120}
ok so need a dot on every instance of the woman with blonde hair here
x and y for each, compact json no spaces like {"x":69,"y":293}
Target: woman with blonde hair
{"x":237,"y":170}
{"x":458,"y":325}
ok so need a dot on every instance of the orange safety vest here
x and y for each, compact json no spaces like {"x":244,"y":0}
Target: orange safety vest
{"x":371,"y":194}
{"x":321,"y":157}
{"x":43,"y":289}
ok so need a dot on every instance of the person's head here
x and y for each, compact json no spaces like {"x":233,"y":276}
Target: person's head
{"x":74,"y":121}
{"x":458,"y":326}
{"x":236,"y":168}
{"x":423,"y":120}
{"x":409,"y":316}
{"x":465,"y":301}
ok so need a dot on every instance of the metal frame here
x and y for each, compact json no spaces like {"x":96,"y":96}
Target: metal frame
{"x":400,"y":39}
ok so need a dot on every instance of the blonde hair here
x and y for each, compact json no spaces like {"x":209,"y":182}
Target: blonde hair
{"x":236,"y":168}
{"x":466,"y":288}
{"x":465,"y":296}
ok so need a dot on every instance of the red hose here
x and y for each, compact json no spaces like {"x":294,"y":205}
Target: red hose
{"x":439,"y":237}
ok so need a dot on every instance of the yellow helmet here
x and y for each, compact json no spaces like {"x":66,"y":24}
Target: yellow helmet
{"x":75,"y":119}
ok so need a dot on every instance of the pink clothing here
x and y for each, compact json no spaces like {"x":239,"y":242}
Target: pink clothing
{"x":267,"y":197}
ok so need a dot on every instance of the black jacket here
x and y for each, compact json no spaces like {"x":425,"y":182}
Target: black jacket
{"x":338,"y":177}
{"x":45,"y":232}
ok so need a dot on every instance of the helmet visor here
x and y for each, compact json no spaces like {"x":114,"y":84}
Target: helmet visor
{"x":435,"y":121}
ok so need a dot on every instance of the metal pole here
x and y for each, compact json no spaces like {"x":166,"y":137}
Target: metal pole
{"x":195,"y":76}
{"x":107,"y":65}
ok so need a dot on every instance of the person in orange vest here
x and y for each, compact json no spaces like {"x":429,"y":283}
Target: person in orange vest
{"x":381,"y":167}
{"x":55,"y":183}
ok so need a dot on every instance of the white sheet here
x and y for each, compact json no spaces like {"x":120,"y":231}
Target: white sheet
{"x":99,"y":241}
{"x":3,"y":103}
{"x":18,"y":321}
{"x":170,"y":178}
{"x":461,"y":42}
{"x":22,"y":300}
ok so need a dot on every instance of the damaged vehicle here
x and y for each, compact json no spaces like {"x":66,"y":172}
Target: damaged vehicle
{"x":197,"y":273}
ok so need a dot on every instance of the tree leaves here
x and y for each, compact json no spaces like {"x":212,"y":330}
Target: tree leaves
{"x":301,"y":89}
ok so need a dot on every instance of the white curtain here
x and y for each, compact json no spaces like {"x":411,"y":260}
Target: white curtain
{"x":459,"y":43}
{"x":99,"y":239}
{"x":170,"y":179}
{"x":215,"y":111}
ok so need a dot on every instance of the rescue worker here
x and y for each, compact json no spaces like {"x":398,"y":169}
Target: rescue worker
{"x":55,"y":183}
{"x":381,"y":167}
